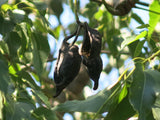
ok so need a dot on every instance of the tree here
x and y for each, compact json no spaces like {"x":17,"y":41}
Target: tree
{"x":26,"y":89}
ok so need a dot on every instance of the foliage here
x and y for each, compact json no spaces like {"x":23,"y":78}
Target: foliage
{"x":26,"y":57}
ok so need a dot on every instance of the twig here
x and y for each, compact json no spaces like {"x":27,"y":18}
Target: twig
{"x":76,"y":11}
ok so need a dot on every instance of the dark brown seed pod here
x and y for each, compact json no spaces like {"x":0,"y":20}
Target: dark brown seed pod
{"x":94,"y":67}
{"x":119,"y":7}
{"x":67,"y":67}
{"x":91,"y":46}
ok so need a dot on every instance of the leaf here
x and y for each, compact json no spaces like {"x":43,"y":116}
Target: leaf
{"x":123,"y":111}
{"x":156,"y":108}
{"x":1,"y":104}
{"x":22,"y":111}
{"x":6,"y":25}
{"x":14,"y":42}
{"x":4,"y":79}
{"x":93,"y":103}
{"x":17,"y":16}
{"x":143,"y":91}
{"x":137,"y":18}
{"x":133,"y":38}
{"x":28,"y":79}
{"x":143,"y":26}
{"x":40,"y":51}
{"x":43,"y":113}
{"x":153,"y":17}
{"x":139,"y":48}
{"x":42,"y":97}
{"x":56,"y":6}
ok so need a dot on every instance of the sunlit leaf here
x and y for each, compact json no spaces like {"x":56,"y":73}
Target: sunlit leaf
{"x":153,"y":17}
{"x":133,"y":38}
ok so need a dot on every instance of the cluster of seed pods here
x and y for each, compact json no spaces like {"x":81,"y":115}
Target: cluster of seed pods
{"x":70,"y":59}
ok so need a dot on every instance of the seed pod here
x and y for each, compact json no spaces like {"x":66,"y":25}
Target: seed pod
{"x":67,"y":67}
{"x":119,"y":7}
{"x":94,"y":66}
{"x":91,"y":46}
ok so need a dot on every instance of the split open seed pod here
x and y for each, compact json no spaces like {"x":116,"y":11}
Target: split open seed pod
{"x":67,"y":66}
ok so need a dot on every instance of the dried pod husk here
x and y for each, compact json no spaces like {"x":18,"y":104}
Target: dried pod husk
{"x":91,"y":46}
{"x":67,"y":67}
{"x":94,"y":67}
{"x":119,"y":7}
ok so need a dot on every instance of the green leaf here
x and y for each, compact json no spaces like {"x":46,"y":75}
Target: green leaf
{"x":139,"y":48}
{"x":14,"y":42}
{"x":101,"y":102}
{"x":133,"y":38}
{"x":153,"y":17}
{"x":6,"y":25}
{"x":42,"y":97}
{"x":40,"y":51}
{"x":123,"y":111}
{"x":4,"y":75}
{"x":137,"y":18}
{"x":22,"y":111}
{"x":1,"y":104}
{"x":28,"y":79}
{"x":56,"y":6}
{"x":143,"y":26}
{"x":17,"y":16}
{"x":143,"y":91}
{"x":156,"y":108}
{"x":43,"y":113}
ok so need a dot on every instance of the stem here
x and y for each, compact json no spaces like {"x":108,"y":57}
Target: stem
{"x":147,"y":10}
{"x":68,"y":37}
{"x":151,"y":57}
{"x":142,"y":3}
{"x":78,"y":31}
{"x":76,"y":11}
